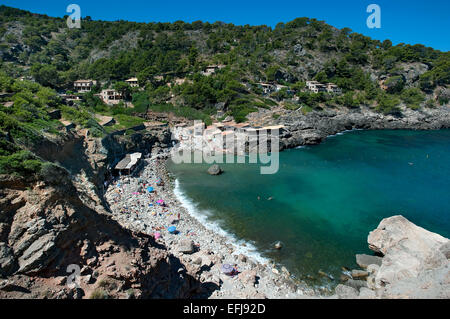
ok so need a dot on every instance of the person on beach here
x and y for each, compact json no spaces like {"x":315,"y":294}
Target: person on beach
{"x":234,"y":272}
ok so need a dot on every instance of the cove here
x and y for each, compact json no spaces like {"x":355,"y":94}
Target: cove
{"x":325,"y":199}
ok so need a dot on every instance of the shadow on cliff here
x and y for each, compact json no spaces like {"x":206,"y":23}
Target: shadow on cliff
{"x":79,"y":235}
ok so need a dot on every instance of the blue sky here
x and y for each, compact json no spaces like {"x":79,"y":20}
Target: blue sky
{"x":407,"y":21}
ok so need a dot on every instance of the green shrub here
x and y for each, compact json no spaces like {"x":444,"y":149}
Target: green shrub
{"x":430,"y":103}
{"x":22,"y":163}
{"x":127,"y":121}
{"x":412,"y":97}
{"x":99,"y":294}
{"x":388,"y":104}
{"x":306,"y":109}
{"x":52,"y":173}
{"x":184,"y":111}
{"x":291,"y":106}
{"x":395,"y":84}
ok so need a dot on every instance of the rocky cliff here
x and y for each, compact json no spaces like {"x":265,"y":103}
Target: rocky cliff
{"x":411,"y":263}
{"x":49,"y":224}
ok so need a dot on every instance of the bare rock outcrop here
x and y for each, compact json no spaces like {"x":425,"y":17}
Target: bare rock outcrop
{"x":51,"y":222}
{"x":413,"y":263}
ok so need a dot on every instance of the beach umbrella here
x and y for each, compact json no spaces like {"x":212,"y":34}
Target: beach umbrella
{"x":150,"y":189}
{"x":226,"y":268}
{"x":172,"y":229}
{"x":160,"y":202}
{"x":157,"y":235}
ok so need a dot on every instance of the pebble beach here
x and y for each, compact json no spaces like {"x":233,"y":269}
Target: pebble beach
{"x":149,"y":201}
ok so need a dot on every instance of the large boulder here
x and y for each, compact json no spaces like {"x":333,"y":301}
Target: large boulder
{"x":248,"y":277}
{"x":398,"y":232}
{"x":38,"y":255}
{"x":345,"y":292}
{"x":357,"y":284}
{"x":410,"y":253}
{"x":214,"y":170}
{"x":6,"y":259}
{"x":366,"y":293}
{"x":364,"y":260}
{"x":186,"y":246}
{"x":359,"y":274}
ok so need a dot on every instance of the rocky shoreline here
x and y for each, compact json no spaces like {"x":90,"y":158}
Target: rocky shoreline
{"x":314,"y":127}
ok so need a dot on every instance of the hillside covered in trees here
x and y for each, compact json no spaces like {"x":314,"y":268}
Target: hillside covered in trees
{"x":290,"y":54}
{"x":169,"y":61}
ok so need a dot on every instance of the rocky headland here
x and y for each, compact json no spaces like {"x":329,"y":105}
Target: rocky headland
{"x":315,"y":126}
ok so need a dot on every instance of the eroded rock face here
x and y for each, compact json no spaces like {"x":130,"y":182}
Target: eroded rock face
{"x":47,"y":225}
{"x":412,"y":71}
{"x":6,"y":259}
{"x":414,"y":265}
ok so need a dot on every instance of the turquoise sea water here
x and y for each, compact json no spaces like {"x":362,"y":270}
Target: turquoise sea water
{"x":326,"y":198}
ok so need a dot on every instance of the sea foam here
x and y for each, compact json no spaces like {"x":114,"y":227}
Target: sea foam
{"x":201,"y":216}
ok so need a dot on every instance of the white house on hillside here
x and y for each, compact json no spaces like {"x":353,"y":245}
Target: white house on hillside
{"x":111,"y":96}
{"x":82,"y":86}
{"x":317,"y":87}
{"x":133,"y":82}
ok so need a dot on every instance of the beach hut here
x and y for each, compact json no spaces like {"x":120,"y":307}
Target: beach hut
{"x":128,"y":163}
